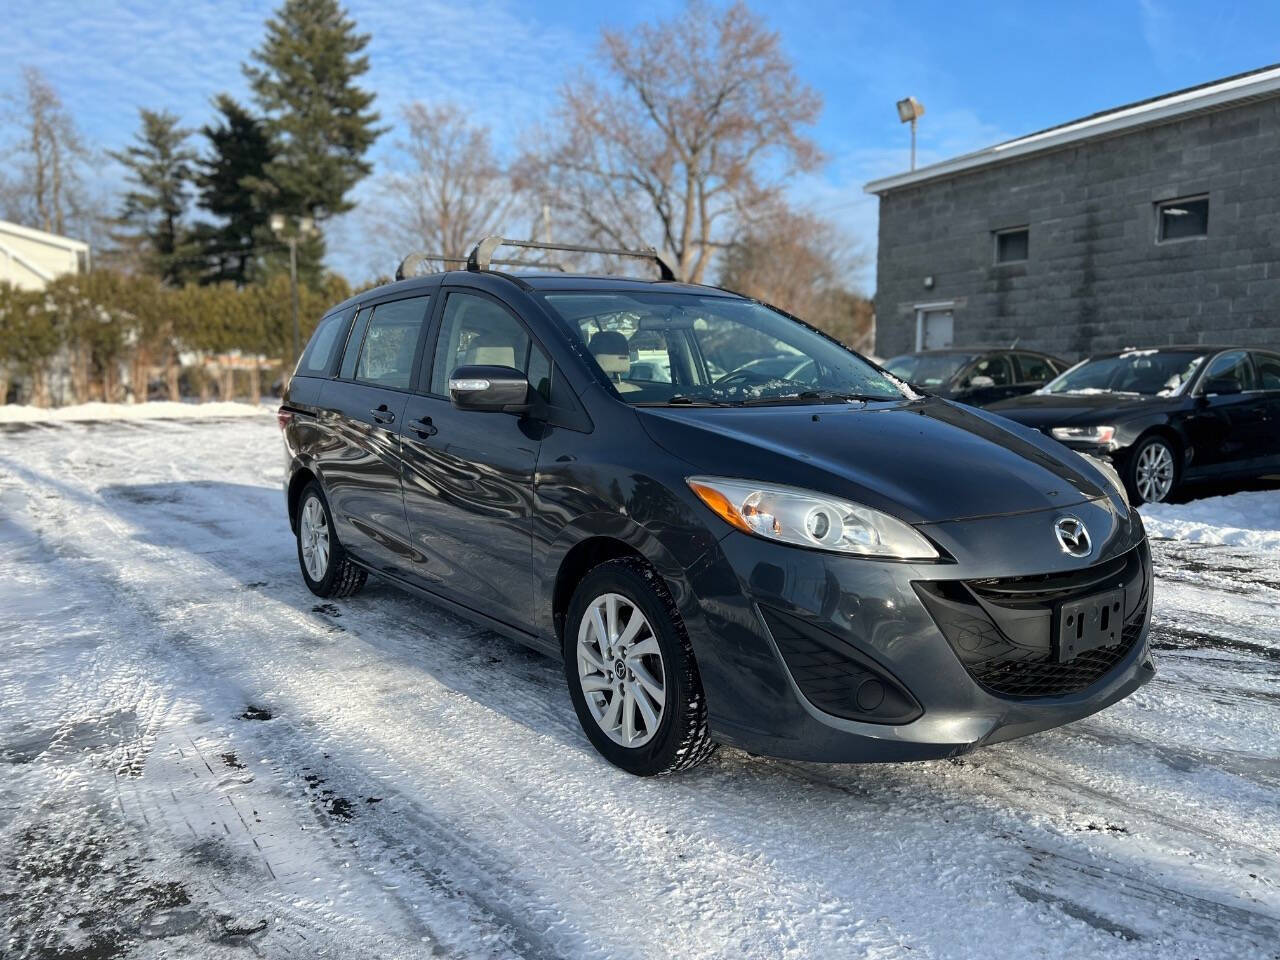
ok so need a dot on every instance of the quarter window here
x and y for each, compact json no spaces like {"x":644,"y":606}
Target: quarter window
{"x":390,"y":343}
{"x":1182,"y":219}
{"x":317,"y":359}
{"x":1013,"y":246}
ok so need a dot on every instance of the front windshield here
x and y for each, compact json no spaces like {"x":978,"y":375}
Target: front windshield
{"x":1153,"y":373}
{"x":665,"y":348}
{"x":928,"y":369}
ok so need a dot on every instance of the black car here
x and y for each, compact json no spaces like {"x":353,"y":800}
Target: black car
{"x":813,"y":563}
{"x":1165,"y":416}
{"x":977,"y":377}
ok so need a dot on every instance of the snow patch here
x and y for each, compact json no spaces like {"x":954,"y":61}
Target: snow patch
{"x":1250,"y":519}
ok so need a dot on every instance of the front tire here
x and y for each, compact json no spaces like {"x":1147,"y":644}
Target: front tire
{"x":1152,"y":471}
{"x":325,"y":566}
{"x":631,"y":672}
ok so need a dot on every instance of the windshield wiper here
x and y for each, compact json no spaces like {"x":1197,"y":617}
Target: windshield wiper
{"x":681,"y":400}
{"x":810,"y":395}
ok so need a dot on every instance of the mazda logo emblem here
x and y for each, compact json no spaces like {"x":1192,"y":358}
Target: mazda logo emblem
{"x":1072,"y":536}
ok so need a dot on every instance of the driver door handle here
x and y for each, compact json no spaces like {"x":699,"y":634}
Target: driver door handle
{"x":423,"y":427}
{"x":382,"y":414}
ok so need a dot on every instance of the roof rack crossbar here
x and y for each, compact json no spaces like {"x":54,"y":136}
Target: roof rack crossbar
{"x":413,"y":259}
{"x":482,"y":253}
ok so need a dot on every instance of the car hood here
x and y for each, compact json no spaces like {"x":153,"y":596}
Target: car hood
{"x":1046,"y":410}
{"x":926,"y":461}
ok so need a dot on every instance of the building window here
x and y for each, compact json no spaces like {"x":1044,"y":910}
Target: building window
{"x":1182,"y":219}
{"x":1012,"y":246}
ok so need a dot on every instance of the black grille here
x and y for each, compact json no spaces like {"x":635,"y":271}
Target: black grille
{"x":1002,"y":629}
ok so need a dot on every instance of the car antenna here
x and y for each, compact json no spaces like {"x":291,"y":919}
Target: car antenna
{"x":482,"y":253}
{"x":1015,"y":342}
{"x":408,"y":266}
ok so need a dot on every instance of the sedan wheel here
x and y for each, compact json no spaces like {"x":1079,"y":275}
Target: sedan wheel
{"x":620,"y":670}
{"x":1154,"y":471}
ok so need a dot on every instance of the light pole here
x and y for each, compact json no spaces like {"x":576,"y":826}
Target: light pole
{"x":909,"y":111}
{"x":280,"y":226}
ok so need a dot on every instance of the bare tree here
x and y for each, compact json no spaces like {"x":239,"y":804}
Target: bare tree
{"x":701,"y":122}
{"x":450,"y":188}
{"x":47,"y":191}
{"x":801,"y":263}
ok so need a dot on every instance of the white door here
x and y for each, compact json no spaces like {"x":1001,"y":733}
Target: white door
{"x":937,"y":328}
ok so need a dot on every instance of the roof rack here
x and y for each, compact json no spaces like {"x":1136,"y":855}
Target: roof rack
{"x":482,"y":253}
{"x":417,"y":257}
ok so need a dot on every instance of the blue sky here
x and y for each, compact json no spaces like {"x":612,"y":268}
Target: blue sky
{"x":985,"y":72}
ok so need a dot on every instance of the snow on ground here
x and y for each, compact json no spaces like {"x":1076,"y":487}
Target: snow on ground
{"x":1250,"y":519}
{"x":199,"y":758}
{"x":151,"y":410}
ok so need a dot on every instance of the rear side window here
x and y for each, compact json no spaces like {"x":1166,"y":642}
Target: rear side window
{"x":1035,"y":369}
{"x":352,"y":353}
{"x":391,"y":343}
{"x":1268,"y":370}
{"x":317,"y":359}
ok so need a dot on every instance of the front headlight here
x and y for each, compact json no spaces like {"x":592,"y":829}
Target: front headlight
{"x":1108,"y":471}
{"x":1085,"y":434}
{"x":808,"y":519}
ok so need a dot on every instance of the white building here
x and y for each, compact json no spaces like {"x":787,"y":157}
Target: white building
{"x":29,"y":258}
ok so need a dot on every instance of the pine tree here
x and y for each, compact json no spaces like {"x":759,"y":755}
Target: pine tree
{"x":230,"y":179}
{"x":304,"y":81}
{"x":160,"y":168}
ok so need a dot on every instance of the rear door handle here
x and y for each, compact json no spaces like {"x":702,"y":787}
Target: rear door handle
{"x":423,"y":427}
{"x":382,"y":414}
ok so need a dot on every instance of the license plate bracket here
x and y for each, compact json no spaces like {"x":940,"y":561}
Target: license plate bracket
{"x":1088,"y":623}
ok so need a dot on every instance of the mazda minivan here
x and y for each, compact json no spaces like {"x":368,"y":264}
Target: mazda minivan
{"x":730,"y":527}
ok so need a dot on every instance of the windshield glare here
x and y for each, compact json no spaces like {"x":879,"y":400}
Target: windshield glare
{"x":662,"y":348}
{"x":1148,"y":372}
{"x":928,"y":369}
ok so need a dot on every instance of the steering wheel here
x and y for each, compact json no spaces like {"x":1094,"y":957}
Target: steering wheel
{"x":744,"y":377}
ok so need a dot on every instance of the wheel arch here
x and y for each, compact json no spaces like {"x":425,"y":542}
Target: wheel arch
{"x":577,"y":562}
{"x":297,"y":483}
{"x":1177,"y":443}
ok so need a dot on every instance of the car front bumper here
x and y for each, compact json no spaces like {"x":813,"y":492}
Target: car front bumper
{"x":788,"y":639}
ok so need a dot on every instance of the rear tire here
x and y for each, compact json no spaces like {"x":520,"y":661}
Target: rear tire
{"x":325,"y":566}
{"x":642,"y":708}
{"x":1151,"y":474}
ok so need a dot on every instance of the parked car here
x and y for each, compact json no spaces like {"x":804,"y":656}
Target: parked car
{"x":977,"y":377}
{"x":832,"y":568}
{"x":1166,"y":416}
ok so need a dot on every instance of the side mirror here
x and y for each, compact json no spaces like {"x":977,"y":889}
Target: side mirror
{"x":1222,"y":385}
{"x":980,"y":382}
{"x":492,"y":389}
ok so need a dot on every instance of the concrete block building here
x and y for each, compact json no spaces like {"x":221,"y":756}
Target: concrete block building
{"x":1153,"y":223}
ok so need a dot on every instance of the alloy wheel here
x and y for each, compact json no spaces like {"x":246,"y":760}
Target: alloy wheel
{"x":1154,"y":475}
{"x":621,"y":671}
{"x":313,"y":535}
